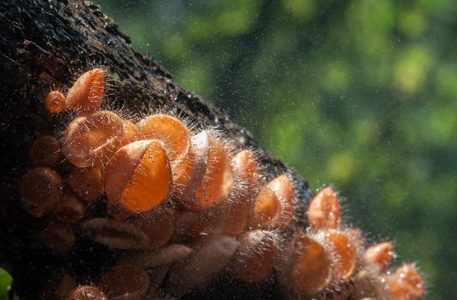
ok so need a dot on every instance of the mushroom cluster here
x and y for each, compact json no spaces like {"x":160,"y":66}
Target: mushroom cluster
{"x":184,"y":208}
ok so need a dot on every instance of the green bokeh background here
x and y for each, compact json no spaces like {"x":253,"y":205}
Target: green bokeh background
{"x":357,"y":94}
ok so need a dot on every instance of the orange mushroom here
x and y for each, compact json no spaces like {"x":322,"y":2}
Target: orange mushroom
{"x":284,"y":190}
{"x":172,"y":132}
{"x":266,"y":208}
{"x":55,"y":102}
{"x":138,"y":178}
{"x":41,"y":190}
{"x":255,"y":257}
{"x":90,"y":140}
{"x":312,"y":266}
{"x":87,"y":183}
{"x":406,"y":283}
{"x":343,"y":255}
{"x":380,"y":256}
{"x":86,"y":94}
{"x":324,"y":211}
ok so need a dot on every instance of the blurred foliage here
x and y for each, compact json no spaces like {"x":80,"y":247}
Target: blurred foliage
{"x":5,"y":281}
{"x":358,"y":94}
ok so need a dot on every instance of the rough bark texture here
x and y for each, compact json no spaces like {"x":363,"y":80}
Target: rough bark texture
{"x":46,"y":45}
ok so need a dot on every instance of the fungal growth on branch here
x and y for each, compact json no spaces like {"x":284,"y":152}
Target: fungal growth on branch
{"x":177,"y":208}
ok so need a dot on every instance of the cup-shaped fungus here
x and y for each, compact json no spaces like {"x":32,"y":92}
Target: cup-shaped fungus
{"x":266,"y":208}
{"x":406,"y":283}
{"x":86,"y":94}
{"x":232,"y":216}
{"x":87,"y":183}
{"x":368,"y":285}
{"x":90,"y":140}
{"x":324,"y":210}
{"x":124,"y":281}
{"x":172,"y":132}
{"x":138,"y":178}
{"x":41,"y":190}
{"x":284,"y":190}
{"x":86,"y":292}
{"x":190,"y":172}
{"x":380,"y":256}
{"x":129,"y":134}
{"x":304,"y":265}
{"x":312,"y":266}
{"x":245,"y":170}
{"x":217,"y":181}
{"x":45,"y":150}
{"x":343,"y":254}
{"x":55,"y":102}
{"x":255,"y":257}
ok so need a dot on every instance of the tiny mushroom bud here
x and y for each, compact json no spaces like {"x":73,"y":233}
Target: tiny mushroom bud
{"x":55,"y":102}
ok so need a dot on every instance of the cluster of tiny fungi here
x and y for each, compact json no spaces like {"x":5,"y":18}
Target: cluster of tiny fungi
{"x":186,"y":208}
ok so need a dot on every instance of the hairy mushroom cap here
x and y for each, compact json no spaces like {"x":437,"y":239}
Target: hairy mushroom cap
{"x":86,"y":94}
{"x":138,"y":178}
{"x":90,"y":140}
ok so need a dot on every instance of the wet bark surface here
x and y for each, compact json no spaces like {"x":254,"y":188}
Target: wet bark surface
{"x":46,"y":45}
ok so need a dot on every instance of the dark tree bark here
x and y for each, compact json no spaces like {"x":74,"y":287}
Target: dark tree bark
{"x":46,"y":45}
